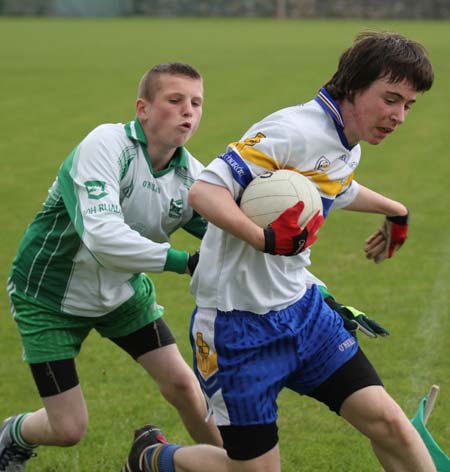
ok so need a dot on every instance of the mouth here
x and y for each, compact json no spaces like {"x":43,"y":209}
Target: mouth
{"x":384,"y":130}
{"x":186,"y":126}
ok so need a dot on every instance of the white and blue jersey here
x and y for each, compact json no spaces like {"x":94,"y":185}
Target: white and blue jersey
{"x":261,"y":323}
{"x":307,"y":139}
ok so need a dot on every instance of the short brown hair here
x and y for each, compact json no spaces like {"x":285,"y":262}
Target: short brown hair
{"x":148,"y":85}
{"x":375,"y":55}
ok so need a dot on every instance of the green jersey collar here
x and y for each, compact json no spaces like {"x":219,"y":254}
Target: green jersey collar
{"x":134,"y":131}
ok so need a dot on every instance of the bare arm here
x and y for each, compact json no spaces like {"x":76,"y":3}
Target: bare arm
{"x":372,"y":202}
{"x":216,"y":204}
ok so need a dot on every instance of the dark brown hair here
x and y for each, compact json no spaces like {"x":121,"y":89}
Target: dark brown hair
{"x":149,"y":84}
{"x":375,"y":55}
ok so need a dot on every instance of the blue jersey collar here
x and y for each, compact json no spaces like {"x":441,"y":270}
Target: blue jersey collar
{"x":326,"y":101}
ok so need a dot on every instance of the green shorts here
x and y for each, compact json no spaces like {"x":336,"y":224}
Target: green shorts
{"x":50,"y":335}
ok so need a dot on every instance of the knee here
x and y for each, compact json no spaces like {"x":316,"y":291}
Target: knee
{"x":70,"y":430}
{"x":180,"y":389}
{"x":393,"y":426}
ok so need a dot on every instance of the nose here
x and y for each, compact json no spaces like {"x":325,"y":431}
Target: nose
{"x":398,"y":115}
{"x":187,"y":109}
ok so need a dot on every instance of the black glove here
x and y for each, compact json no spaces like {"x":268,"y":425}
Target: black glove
{"x":353,"y":318}
{"x":192,"y":262}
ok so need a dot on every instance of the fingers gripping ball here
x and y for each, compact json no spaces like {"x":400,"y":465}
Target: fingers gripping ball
{"x":289,"y":208}
{"x":285,"y":237}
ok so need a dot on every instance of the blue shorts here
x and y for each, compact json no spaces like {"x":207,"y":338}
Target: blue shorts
{"x":243,"y":360}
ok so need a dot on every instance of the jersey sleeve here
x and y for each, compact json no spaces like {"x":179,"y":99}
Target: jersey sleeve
{"x":196,"y":226}
{"x":346,"y":197}
{"x":89,"y":182}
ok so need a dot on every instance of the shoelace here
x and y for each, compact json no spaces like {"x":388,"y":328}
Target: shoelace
{"x":14,"y":453}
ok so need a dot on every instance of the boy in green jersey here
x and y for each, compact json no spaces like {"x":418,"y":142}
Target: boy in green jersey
{"x":82,"y":263}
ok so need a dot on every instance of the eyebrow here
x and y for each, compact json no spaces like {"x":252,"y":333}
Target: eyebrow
{"x":399,"y":95}
{"x":181,"y":94}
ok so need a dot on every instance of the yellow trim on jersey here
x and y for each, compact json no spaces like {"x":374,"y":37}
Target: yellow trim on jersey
{"x":249,"y":153}
{"x":321,"y":179}
{"x":327,"y":186}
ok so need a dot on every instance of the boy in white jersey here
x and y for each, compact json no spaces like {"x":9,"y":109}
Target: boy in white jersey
{"x":260,"y":324}
{"x":81,"y":264}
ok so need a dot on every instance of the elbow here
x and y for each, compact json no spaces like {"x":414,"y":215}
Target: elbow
{"x":194,"y":196}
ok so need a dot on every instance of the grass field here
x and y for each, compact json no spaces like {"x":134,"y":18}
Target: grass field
{"x":60,"y":78}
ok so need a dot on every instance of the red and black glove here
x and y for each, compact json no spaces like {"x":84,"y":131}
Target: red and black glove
{"x":284,"y":236}
{"x":388,"y":239}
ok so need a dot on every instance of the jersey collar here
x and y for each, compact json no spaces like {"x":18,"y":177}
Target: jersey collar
{"x":134,"y":131}
{"x":326,"y":101}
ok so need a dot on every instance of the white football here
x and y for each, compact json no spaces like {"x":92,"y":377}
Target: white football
{"x":269,"y":194}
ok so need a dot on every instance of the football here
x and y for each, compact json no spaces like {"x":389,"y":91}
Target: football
{"x":269,"y":194}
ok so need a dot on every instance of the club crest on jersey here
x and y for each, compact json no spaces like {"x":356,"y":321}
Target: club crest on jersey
{"x":176,"y":207}
{"x":95,"y":189}
{"x":322,"y":164}
{"x":206,"y":360}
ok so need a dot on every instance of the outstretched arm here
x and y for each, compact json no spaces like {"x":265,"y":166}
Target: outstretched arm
{"x":369,"y":201}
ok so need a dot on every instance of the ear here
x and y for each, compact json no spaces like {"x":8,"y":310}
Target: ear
{"x":142,"y":107}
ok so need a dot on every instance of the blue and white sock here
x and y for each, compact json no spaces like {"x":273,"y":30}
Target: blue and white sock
{"x":160,"y":458}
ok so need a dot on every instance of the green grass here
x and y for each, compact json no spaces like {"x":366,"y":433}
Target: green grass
{"x":60,"y":78}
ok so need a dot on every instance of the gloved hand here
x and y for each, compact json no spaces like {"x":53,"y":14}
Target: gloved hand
{"x":284,"y":237}
{"x":353,"y":318}
{"x":192,"y":262}
{"x":388,"y":239}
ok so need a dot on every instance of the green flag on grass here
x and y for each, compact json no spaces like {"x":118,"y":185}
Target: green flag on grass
{"x":441,"y":460}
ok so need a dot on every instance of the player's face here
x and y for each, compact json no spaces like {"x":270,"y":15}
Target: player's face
{"x":377,"y":111}
{"x":174,"y":113}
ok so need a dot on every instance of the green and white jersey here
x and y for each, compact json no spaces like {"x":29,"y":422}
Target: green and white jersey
{"x":108,"y":217}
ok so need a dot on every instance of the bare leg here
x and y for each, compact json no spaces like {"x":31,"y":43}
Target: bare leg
{"x":180,"y":387}
{"x":207,"y":458}
{"x":395,"y":441}
{"x":62,"y":422}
